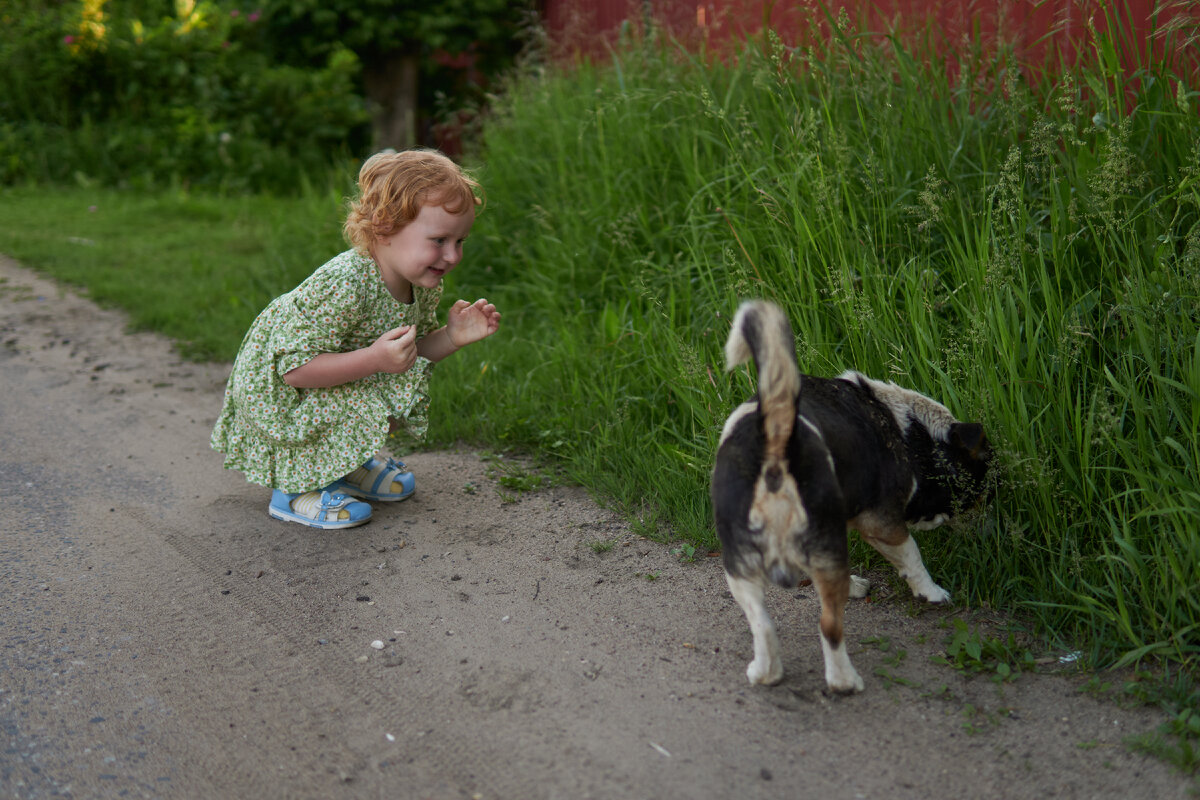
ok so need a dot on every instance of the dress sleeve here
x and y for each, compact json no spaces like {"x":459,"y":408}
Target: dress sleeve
{"x":318,"y":316}
{"x":427,"y":305}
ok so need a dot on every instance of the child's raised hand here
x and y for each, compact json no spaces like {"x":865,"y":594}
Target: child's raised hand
{"x":396,"y":350}
{"x":470,"y":322}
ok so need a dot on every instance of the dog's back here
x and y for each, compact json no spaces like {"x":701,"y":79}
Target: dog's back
{"x":853,"y":446}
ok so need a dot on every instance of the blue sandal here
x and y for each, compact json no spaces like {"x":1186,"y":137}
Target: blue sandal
{"x":324,"y":509}
{"x":378,"y":479}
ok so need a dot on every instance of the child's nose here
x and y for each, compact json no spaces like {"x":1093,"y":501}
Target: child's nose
{"x":452,"y":254}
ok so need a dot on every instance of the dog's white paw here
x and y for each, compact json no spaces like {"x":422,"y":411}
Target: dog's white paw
{"x":932,"y":593}
{"x":859,"y":587}
{"x":840,"y":674}
{"x":843,"y":681}
{"x":763,"y":672}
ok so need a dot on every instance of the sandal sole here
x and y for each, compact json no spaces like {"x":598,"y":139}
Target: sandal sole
{"x":312,"y":523}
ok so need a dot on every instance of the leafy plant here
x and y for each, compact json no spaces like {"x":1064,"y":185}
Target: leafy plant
{"x":514,"y":477}
{"x":969,"y":650}
{"x":685,"y":552}
{"x":1177,"y":739}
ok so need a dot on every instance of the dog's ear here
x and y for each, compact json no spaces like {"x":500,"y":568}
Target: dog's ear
{"x":969,"y":436}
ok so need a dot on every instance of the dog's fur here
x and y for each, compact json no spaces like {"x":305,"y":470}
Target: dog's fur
{"x":810,"y":458}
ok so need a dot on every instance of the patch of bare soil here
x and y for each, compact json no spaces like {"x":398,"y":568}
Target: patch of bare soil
{"x":163,"y":637}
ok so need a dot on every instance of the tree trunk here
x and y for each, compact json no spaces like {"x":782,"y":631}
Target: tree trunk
{"x":391,"y":84}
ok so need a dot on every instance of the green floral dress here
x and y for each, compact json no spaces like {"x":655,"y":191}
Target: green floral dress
{"x":298,"y":440}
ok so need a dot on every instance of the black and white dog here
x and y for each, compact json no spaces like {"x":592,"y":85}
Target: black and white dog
{"x":808,"y":459}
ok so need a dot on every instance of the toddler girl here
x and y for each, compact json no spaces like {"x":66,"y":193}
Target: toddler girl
{"x":329,"y":369}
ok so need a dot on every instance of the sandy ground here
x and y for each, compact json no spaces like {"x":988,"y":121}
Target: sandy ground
{"x":163,"y":637}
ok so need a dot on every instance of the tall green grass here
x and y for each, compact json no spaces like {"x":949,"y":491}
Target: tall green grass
{"x":1029,"y":253}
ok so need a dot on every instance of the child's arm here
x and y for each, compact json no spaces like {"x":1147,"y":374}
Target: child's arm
{"x":393,"y":352}
{"x":466,"y":323}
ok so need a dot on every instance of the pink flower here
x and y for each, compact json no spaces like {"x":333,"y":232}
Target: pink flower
{"x":68,"y":39}
{"x":235,"y":13}
{"x":254,"y":15}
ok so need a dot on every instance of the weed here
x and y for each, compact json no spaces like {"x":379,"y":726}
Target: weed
{"x":891,"y":679}
{"x":1096,"y":685}
{"x":517,"y":477}
{"x":941,"y":693}
{"x":975,"y":720}
{"x":970,"y":651}
{"x":685,"y":552}
{"x":978,"y":720}
{"x":1177,"y":739}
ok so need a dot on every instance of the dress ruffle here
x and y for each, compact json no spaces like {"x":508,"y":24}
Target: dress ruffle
{"x":329,"y":433}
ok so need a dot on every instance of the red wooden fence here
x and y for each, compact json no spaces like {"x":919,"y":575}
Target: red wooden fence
{"x":1046,"y":33}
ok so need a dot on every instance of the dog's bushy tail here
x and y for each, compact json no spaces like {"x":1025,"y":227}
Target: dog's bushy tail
{"x":761,"y":331}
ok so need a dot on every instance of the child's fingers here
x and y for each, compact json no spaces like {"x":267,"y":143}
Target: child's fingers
{"x":482,"y":306}
{"x":481,"y":303}
{"x":396,"y":333}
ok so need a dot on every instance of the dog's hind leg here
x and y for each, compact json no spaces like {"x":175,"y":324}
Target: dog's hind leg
{"x":833,"y":586}
{"x":903,"y":554}
{"x":766,"y":668}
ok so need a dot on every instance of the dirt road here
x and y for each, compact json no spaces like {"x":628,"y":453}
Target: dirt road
{"x":163,"y":637}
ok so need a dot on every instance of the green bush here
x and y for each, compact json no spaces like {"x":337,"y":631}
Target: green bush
{"x":137,"y":94}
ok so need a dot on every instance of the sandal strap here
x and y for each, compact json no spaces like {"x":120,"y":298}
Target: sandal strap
{"x":333,"y":502}
{"x":382,"y":474}
{"x":330,"y":502}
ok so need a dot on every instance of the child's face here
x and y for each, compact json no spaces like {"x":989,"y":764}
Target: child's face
{"x":426,"y":249}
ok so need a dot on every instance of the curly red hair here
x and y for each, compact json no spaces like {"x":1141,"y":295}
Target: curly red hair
{"x":393,"y":187}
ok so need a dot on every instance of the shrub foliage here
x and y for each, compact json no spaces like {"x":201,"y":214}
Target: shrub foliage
{"x":138,"y":93}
